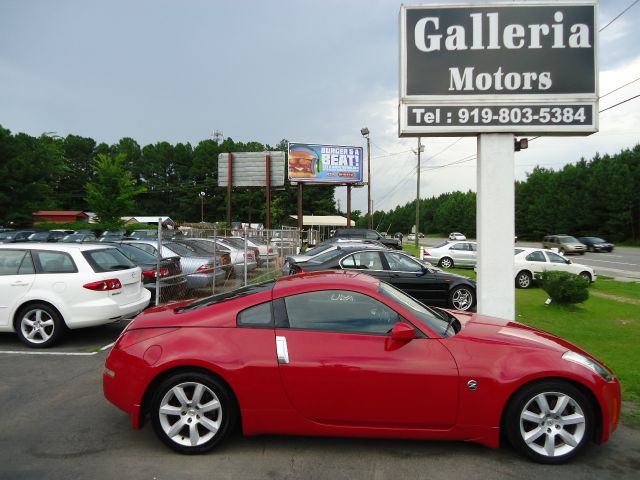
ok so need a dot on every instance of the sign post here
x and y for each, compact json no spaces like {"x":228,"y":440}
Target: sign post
{"x":494,"y":71}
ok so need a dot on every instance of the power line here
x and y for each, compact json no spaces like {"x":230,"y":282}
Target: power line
{"x":619,"y":15}
{"x":619,"y":103}
{"x":615,"y":90}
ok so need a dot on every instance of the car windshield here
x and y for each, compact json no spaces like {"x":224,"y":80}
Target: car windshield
{"x":326,"y":256}
{"x":234,"y":242}
{"x":440,"y":245}
{"x":596,"y":240}
{"x":429,"y":317}
{"x":222,"y":297}
{"x":184,"y":250}
{"x":318,"y":250}
{"x":568,"y":240}
{"x":136,"y":255}
{"x":5,"y":235}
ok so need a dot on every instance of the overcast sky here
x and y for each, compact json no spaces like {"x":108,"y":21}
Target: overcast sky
{"x":308,"y":71}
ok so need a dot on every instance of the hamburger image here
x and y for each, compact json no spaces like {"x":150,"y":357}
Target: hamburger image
{"x":302,"y":164}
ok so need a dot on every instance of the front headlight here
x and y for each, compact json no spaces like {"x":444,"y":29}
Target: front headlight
{"x":589,"y":363}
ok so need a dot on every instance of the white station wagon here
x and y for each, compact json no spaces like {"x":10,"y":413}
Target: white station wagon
{"x":530,"y":261}
{"x":46,"y":287}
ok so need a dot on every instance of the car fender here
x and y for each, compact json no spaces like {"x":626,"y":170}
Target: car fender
{"x":45,"y":296}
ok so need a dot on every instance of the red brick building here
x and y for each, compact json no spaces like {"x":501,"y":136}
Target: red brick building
{"x":60,"y":216}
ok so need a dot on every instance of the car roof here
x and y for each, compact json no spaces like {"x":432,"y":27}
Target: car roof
{"x":62,"y":247}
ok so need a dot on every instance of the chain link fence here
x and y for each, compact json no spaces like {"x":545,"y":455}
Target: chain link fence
{"x":201,"y":262}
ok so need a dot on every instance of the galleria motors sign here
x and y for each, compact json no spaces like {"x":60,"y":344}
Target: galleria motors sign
{"x":516,"y":67}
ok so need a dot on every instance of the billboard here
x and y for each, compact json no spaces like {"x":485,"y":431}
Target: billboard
{"x":522,"y":67}
{"x":313,"y":163}
{"x":248,"y":169}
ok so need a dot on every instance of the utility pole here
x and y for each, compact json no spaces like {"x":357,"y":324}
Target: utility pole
{"x":365,"y":133}
{"x":420,"y":149}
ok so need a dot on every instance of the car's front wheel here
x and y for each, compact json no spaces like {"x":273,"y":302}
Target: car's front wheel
{"x":192,"y":412}
{"x":462,"y":298}
{"x":523,"y":280}
{"x":549,"y":421}
{"x":445,"y":262}
{"x":39,"y":325}
{"x":586,"y":275}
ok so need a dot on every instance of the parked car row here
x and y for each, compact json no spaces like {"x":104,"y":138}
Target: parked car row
{"x":528,"y":262}
{"x":568,"y":244}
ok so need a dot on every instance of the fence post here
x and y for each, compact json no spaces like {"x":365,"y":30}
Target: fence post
{"x":245,"y":256}
{"x":215,"y":258}
{"x":159,"y":259}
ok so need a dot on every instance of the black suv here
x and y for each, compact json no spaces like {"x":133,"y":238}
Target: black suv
{"x":363,"y":233}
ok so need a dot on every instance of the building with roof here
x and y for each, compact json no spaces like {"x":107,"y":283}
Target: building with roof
{"x":59,"y":216}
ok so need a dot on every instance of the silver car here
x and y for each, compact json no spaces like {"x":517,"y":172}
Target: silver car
{"x":452,"y":254}
{"x":326,"y":247}
{"x":236,"y":253}
{"x":198,"y":268}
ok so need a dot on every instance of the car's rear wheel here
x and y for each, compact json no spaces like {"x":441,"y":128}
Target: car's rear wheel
{"x":39,"y":325}
{"x":445,"y":262}
{"x":549,"y":421}
{"x":192,"y":412}
{"x":586,"y":275}
{"x":523,"y":279}
{"x":462,"y":298}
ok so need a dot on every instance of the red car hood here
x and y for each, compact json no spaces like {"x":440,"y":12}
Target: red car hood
{"x":499,"y":330}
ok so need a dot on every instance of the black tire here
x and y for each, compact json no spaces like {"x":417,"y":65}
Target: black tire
{"x":586,"y":275}
{"x":524,"y":279}
{"x":446,"y":262}
{"x":525,"y":417}
{"x":562,"y":251}
{"x":591,"y":249}
{"x":199,"y":414}
{"x":462,"y":298}
{"x":581,"y":253}
{"x":39,"y":325}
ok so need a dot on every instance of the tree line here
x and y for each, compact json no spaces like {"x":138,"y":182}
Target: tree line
{"x":71,"y":173}
{"x":599,"y":197}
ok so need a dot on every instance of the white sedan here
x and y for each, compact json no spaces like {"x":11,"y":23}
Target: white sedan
{"x":532,"y":261}
{"x":451,"y":254}
{"x":457,"y":236}
{"x":45,"y":287}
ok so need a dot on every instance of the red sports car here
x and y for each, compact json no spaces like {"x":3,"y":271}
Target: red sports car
{"x":343,"y":354}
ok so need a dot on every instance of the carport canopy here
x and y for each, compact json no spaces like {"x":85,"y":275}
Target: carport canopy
{"x":324,"y":220}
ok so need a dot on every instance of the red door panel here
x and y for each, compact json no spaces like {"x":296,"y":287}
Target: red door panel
{"x":370,"y":380}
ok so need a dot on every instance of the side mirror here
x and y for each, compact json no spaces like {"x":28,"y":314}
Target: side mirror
{"x":403,"y":332}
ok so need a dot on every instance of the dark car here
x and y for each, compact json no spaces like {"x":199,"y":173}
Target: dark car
{"x":597,"y":244}
{"x":363,"y":233}
{"x":114,"y":235}
{"x":424,"y":283}
{"x":173,"y":285}
{"x":50,"y":236}
{"x":14,"y":236}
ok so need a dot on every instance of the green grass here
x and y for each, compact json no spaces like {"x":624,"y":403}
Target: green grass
{"x":607,"y":325}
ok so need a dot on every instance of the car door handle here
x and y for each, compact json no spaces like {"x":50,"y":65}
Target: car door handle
{"x":281,"y":350}
{"x":19,"y":284}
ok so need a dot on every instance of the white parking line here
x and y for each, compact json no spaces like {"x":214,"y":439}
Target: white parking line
{"x":71,"y":354}
{"x":618,"y":263}
{"x":107,"y":346}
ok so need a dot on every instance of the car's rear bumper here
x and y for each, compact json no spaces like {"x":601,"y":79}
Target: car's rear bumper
{"x":103,"y":311}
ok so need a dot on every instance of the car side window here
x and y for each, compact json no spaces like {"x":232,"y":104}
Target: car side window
{"x":371,"y":235}
{"x":401,"y":263}
{"x":258,"y":316}
{"x":459,"y":246}
{"x":536,"y":256}
{"x":364,"y":261}
{"x":54,"y":262}
{"x":555,"y":258}
{"x":15,"y":262}
{"x":339,"y":311}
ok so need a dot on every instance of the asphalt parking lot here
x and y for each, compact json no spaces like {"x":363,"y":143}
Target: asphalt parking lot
{"x":57,"y":424}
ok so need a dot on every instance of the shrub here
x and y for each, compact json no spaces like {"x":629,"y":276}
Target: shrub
{"x":565,"y":287}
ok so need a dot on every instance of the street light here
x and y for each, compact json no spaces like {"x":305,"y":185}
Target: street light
{"x":365,"y":133}
{"x":417,"y":152}
{"x":202,"y":194}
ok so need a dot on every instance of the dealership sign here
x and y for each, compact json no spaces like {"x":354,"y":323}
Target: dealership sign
{"x":312,"y":163}
{"x":517,"y":67}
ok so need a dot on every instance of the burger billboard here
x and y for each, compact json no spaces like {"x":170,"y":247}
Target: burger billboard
{"x":314,"y":163}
